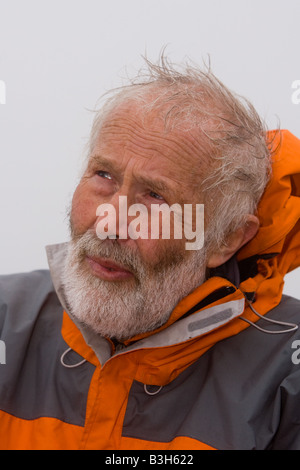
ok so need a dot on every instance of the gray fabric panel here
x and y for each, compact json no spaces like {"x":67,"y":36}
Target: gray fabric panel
{"x":33,"y":383}
{"x":244,"y":393}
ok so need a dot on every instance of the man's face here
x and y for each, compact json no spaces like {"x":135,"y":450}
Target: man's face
{"x":137,"y":159}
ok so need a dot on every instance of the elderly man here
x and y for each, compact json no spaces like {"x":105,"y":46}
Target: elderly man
{"x":136,"y":342}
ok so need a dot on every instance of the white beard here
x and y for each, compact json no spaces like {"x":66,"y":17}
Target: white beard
{"x":125,"y":309}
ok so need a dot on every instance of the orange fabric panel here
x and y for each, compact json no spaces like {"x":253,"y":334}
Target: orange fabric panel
{"x":179,"y":443}
{"x":75,"y":340}
{"x":38,"y":434}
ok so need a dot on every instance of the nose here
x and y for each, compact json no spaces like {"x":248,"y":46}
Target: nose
{"x":112,"y":218}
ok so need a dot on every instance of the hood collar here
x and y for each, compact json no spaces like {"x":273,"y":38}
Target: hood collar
{"x":220,"y":299}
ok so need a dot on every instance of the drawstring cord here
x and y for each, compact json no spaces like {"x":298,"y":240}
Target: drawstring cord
{"x":70,"y":366}
{"x":155,"y":392}
{"x":293,"y":326}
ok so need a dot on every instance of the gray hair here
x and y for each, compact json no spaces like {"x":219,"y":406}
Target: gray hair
{"x":231,"y":136}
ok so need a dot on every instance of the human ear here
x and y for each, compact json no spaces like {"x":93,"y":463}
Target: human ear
{"x":234,"y":242}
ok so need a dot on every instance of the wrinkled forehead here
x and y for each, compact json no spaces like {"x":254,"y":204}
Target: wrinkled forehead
{"x":150,"y":125}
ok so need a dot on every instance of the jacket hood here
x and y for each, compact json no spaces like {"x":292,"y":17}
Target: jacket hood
{"x":275,"y":250}
{"x":279,"y":208}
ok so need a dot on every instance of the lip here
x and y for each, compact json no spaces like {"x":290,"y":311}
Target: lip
{"x":108,"y":270}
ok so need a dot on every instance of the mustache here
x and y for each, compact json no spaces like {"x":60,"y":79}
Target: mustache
{"x":88,"y":244}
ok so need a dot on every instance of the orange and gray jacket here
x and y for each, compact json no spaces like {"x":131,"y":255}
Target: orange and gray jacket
{"x":216,"y":376}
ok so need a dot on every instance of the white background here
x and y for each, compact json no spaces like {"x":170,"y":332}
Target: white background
{"x":58,"y":56}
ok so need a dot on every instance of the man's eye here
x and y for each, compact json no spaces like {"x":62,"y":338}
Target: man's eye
{"x":104,"y":174}
{"x":155,"y":195}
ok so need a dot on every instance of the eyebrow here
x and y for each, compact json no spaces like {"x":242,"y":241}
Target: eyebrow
{"x":99,"y":160}
{"x":155,"y":184}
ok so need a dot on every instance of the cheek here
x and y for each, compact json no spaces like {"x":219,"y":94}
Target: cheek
{"x":161,"y":253}
{"x":83,"y":213}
